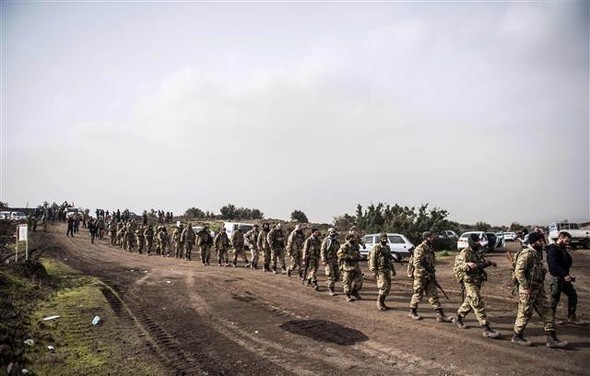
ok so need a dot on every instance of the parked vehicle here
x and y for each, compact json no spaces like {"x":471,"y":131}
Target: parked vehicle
{"x":17,"y":216}
{"x":4,"y":215}
{"x":230,"y":227}
{"x":448,"y":234}
{"x":490,"y":244}
{"x":580,"y":237}
{"x":400,"y":246}
{"x":510,"y":236}
{"x":495,"y":241}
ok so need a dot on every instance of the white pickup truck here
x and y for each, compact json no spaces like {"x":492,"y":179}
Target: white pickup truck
{"x":580,"y":237}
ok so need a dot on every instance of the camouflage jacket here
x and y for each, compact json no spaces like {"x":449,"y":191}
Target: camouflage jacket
{"x":474,"y":275}
{"x":262,"y":241}
{"x":380,"y":259}
{"x":176,"y":235}
{"x":205,"y":237}
{"x":311,"y":248}
{"x":295,"y":241}
{"x":252,"y":238}
{"x":221,"y":241}
{"x":529,"y":269}
{"x":188,"y":235}
{"x":237,"y":239}
{"x":423,"y":260}
{"x":148,"y":234}
{"x":330,"y":247}
{"x":276,"y":238}
{"x":349,"y":256}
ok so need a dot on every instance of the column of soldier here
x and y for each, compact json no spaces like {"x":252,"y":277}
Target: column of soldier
{"x":341,"y":262}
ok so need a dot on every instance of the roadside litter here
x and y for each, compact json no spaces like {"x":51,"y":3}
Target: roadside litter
{"x":48,"y":318}
{"x":96,"y":320}
{"x":29,"y":342}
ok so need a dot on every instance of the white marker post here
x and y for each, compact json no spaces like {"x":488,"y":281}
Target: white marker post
{"x":23,"y":235}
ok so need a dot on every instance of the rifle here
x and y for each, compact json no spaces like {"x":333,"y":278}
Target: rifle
{"x":306,"y":264}
{"x":441,"y":289}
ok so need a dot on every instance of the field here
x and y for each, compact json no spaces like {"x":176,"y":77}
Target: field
{"x":164,"y":316}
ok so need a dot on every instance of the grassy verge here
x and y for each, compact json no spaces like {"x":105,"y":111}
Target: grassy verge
{"x":71,"y":344}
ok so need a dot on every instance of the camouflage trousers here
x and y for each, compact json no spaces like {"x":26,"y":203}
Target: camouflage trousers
{"x":113,"y":239}
{"x":239,"y":251}
{"x":473,"y":302}
{"x":222,"y":256}
{"x":266,"y":256}
{"x":296,"y":257}
{"x":205,"y":251}
{"x":332,"y":271}
{"x":537,"y":301}
{"x":352,"y":280}
{"x":278,"y":255}
{"x":383,"y":281}
{"x":149,"y":246}
{"x":140,"y":244}
{"x":425,"y":286}
{"x":254,"y":253}
{"x":312,"y":271}
{"x":178,"y":247}
{"x":188,"y":250}
{"x":164,"y":251}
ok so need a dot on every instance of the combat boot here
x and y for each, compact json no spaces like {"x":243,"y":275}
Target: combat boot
{"x":488,"y":332}
{"x":315,"y":285}
{"x":553,"y":342}
{"x":441,"y":317}
{"x":289,"y":272}
{"x":383,"y":302}
{"x":283,"y":271}
{"x":355,"y":293}
{"x":265,"y":268}
{"x":572,"y":319}
{"x":380,"y":305}
{"x":274,"y":270}
{"x":520,"y":340}
{"x":458,"y":320}
{"x":331,"y":291}
{"x":349,"y":298}
{"x":414,"y":314}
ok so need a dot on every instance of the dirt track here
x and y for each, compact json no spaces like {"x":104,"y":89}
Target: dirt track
{"x":226,"y":321}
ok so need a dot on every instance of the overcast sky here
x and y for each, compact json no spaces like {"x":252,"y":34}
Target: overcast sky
{"x":478,"y":108}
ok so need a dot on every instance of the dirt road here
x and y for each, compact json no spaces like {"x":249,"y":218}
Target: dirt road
{"x":226,"y":321}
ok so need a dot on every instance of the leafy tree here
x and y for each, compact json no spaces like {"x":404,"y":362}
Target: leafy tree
{"x":231,"y":212}
{"x":482,"y":226}
{"x":3,"y":205}
{"x":345,"y":221}
{"x":228,"y":212}
{"x":299,"y":216}
{"x":194,"y":213}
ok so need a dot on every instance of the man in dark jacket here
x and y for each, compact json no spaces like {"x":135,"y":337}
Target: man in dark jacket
{"x":559,"y":263}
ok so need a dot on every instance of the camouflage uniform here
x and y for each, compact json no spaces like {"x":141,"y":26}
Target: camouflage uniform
{"x":425,"y":280}
{"x":295,"y":250}
{"x":471,"y":279}
{"x":381,"y":264}
{"x":113,"y":233}
{"x":163,"y":240}
{"x":352,"y":277}
{"x":188,"y":237}
{"x":140,"y":239}
{"x":329,"y":255}
{"x":311,"y":254}
{"x":205,"y":241}
{"x":221,"y":244}
{"x":263,"y":245}
{"x":178,"y":243}
{"x":148,"y":235}
{"x":237,"y":241}
{"x":530,"y":273}
{"x":276,"y":239}
{"x":251,"y":238}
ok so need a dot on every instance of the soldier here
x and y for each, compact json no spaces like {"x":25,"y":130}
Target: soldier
{"x":178,"y":243}
{"x":352,"y":278}
{"x":251,"y":238}
{"x":113,"y":232}
{"x":329,"y":256}
{"x":311,"y":256}
{"x":148,"y":235}
{"x":469,"y":269}
{"x":559,"y":263}
{"x":139,"y":238}
{"x":92,"y":230}
{"x":263,"y":245}
{"x":276,"y":239}
{"x":237,"y":241}
{"x":381,"y":264}
{"x":424,"y":274}
{"x":70,"y":231}
{"x":529,"y":273}
{"x":163,"y":240}
{"x":205,"y":242}
{"x":295,"y":250}
{"x":221,"y":244}
{"x":188,"y":237}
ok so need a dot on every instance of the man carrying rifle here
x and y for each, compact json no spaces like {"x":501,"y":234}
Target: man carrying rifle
{"x":425,"y":279}
{"x":311,"y":258}
{"x":469,"y":269}
{"x":381,"y":264}
{"x":330,"y":247}
{"x":352,"y":278}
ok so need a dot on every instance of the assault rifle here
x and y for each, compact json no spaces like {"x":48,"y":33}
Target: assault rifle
{"x":438,"y":286}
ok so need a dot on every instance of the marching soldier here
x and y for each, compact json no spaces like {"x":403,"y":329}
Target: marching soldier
{"x":237,"y":241}
{"x":178,"y":243}
{"x":251,"y":238}
{"x":188,"y":237}
{"x":295,"y":250}
{"x":352,"y":278}
{"x":221,"y":244}
{"x":148,"y":235}
{"x":329,"y":256}
{"x":381,"y":264}
{"x":205,"y":242}
{"x":311,"y":256}
{"x":276,"y":239}
{"x":264,"y":246}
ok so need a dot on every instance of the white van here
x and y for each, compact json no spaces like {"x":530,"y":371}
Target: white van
{"x":17,"y":216}
{"x":230,"y":227}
